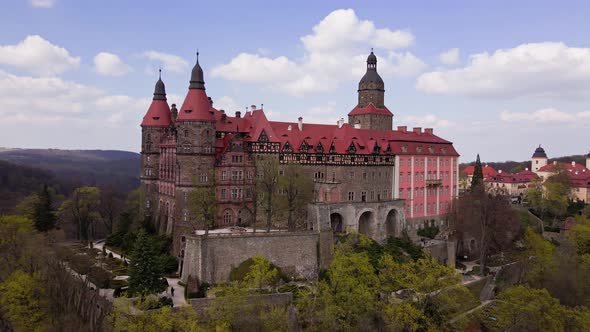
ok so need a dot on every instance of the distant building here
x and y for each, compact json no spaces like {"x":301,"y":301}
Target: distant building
{"x":367,"y":176}
{"x":511,"y":184}
{"x":578,"y":174}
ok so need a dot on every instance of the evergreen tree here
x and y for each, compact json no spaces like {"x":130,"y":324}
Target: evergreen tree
{"x":43,"y":214}
{"x":145,"y":271}
{"x":477,"y":180}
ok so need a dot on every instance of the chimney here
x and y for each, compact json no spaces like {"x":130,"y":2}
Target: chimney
{"x":357,"y":126}
{"x":500,"y":171}
{"x":289,"y":127}
{"x":238,"y":114}
{"x":210,"y":101}
{"x":428,"y":131}
{"x":418,"y":130}
{"x":300,"y":124}
{"x":573,"y":163}
{"x":173,"y":112}
{"x":340,"y":122}
{"x":252,"y":107}
{"x":223,"y":116}
{"x":402,"y":129}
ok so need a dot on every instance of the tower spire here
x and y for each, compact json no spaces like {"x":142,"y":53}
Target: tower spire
{"x":197,"y":81}
{"x":160,"y":89}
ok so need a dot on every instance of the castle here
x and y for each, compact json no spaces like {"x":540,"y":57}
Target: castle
{"x":367,"y":176}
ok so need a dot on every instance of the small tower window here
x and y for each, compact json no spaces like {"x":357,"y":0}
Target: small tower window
{"x":186,"y":133}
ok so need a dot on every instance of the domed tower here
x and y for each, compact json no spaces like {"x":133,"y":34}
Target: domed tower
{"x":370,"y":112}
{"x":539,"y":159}
{"x":153,"y":128}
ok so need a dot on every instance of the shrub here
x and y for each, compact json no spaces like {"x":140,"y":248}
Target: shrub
{"x":169,"y":263}
{"x":397,"y":246}
{"x":239,"y":272}
{"x":166,"y":301}
{"x":429,"y":232}
{"x":149,"y":302}
{"x":80,"y":263}
{"x":100,"y":277}
{"x":202,"y":292}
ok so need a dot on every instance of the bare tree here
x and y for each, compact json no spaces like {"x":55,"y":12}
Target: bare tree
{"x":296,"y":190}
{"x":267,"y":186}
{"x":110,"y":206}
{"x":486,"y":217}
{"x":203,"y":203}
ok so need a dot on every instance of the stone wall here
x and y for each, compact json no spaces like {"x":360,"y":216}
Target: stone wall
{"x":210,"y":258}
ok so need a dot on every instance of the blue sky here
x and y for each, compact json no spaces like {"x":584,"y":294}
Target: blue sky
{"x":497,"y":78}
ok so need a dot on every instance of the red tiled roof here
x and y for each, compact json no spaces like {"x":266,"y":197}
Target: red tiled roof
{"x":370,"y":109}
{"x":486,"y":170}
{"x":564,"y":166}
{"x":196,"y":107}
{"x":158,"y":115}
{"x":520,"y":177}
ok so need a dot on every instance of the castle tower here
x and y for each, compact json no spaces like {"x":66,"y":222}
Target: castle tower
{"x":370,"y":112}
{"x":153,"y":128}
{"x":195,"y":149}
{"x":539,"y":159}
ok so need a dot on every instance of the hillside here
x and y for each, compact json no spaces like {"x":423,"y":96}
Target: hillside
{"x":25,"y":170}
{"x":517,"y":166}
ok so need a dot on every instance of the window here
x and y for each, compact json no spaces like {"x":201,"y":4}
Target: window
{"x":147,"y":203}
{"x":421,"y":192}
{"x":186,"y":133}
{"x":227,"y":217}
{"x":351,"y":175}
{"x":372,"y":195}
{"x":236,"y":159}
{"x":385,"y":194}
{"x":401,"y":162}
{"x":364,"y":175}
{"x":401,"y":177}
{"x":401,"y":193}
{"x":224,"y":175}
{"x":237,"y":175}
{"x":409,"y":177}
{"x":223,"y":193}
{"x":203,"y":178}
{"x":351,"y":195}
{"x":363,"y":196}
{"x":236,"y":193}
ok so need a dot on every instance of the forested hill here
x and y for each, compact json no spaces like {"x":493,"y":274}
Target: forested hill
{"x":517,"y":166}
{"x":25,"y":170}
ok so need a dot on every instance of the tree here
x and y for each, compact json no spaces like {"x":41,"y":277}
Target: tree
{"x":538,"y":258}
{"x":145,"y":273}
{"x":82,"y":208}
{"x":123,"y":319}
{"x":262,"y":273}
{"x":16,"y":236}
{"x":22,"y":298}
{"x":557,"y":188}
{"x":296,"y":189}
{"x":477,"y":179}
{"x":203,"y":204}
{"x":267,"y":186}
{"x":403,"y":317}
{"x":43,"y":213}
{"x":110,"y":207}
{"x":521,"y":308}
{"x":486,"y":217}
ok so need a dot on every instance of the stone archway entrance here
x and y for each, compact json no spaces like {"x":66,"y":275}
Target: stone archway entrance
{"x":336,"y":223}
{"x":365,"y":221}
{"x":391,"y":224}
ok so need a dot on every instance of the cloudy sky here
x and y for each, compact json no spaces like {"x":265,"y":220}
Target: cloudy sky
{"x":497,"y":78}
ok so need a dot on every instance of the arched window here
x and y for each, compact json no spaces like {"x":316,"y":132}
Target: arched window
{"x":227,"y":217}
{"x":185,"y":133}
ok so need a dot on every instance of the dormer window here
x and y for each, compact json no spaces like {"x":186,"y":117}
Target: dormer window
{"x":263,"y":137}
{"x":303,"y":147}
{"x":376,"y":149}
{"x":332,"y":148}
{"x":351,"y":148}
{"x":404,"y":148}
{"x":188,"y":111}
{"x":156,"y":118}
{"x":319,"y":148}
{"x":287,"y":147}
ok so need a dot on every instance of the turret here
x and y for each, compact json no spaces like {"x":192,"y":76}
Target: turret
{"x":539,"y":159}
{"x":588,"y":160}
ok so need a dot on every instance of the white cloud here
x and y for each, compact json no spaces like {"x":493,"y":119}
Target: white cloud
{"x":425,"y":121}
{"x":109,"y":64}
{"x":43,"y":3}
{"x":450,"y":57}
{"x":35,"y":99}
{"x":38,"y":56}
{"x":169,"y":62}
{"x":336,"y":50}
{"x":537,"y":69}
{"x":545,"y":115}
{"x":227,"y":104}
